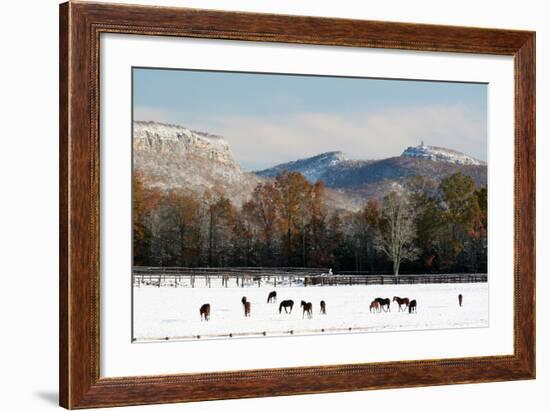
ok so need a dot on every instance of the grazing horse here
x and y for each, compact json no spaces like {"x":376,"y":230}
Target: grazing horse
{"x":400,"y":302}
{"x":374,"y":306}
{"x":205,"y":312}
{"x":272,"y":297}
{"x":323,"y":307}
{"x":246,"y":306}
{"x":460,"y":300}
{"x":307,"y":308}
{"x":384,"y":302}
{"x":286,"y":304}
{"x":412,"y":306}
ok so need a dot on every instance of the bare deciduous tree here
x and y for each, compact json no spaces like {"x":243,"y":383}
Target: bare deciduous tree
{"x":397,"y":229}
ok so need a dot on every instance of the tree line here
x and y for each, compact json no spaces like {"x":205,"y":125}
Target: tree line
{"x":420,"y":226}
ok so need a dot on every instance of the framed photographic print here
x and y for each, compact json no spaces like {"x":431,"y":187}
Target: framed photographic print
{"x":259,"y":205}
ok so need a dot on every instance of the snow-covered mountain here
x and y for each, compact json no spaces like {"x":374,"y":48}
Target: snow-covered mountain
{"x":440,"y":154}
{"x":374,"y":178}
{"x":311,"y":168}
{"x":174,"y":157}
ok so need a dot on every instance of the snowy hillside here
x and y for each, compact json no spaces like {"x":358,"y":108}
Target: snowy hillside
{"x":311,"y":168}
{"x":440,"y":154}
{"x":374,"y":178}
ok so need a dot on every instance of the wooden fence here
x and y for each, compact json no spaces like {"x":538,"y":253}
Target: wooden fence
{"x":286,"y":276}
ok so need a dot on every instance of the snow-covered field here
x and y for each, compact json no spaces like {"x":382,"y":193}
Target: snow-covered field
{"x":169,"y":312}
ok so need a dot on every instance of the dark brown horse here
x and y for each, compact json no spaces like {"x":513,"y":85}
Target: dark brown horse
{"x":402,"y":302}
{"x":246,"y":306}
{"x":323,"y":307}
{"x":307,"y":308}
{"x":412,"y":306}
{"x":205,"y":312}
{"x":272,"y":297}
{"x":460,"y":300}
{"x":374,"y":306}
{"x":384,"y":302}
{"x":286,"y":304}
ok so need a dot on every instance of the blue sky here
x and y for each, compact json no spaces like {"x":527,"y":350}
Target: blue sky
{"x":272,"y":118}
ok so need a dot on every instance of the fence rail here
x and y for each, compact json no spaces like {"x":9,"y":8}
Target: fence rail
{"x":231,"y":270}
{"x":286,"y":276}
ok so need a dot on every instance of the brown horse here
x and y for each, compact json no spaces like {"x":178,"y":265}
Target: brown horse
{"x":307,"y":308}
{"x":402,"y":302}
{"x":205,"y":312}
{"x":412,"y":306}
{"x":323,"y":307}
{"x":384,"y":302}
{"x":460,"y":300}
{"x":374,"y":306}
{"x":272,"y":297}
{"x":246,"y":306}
{"x":286,"y":304}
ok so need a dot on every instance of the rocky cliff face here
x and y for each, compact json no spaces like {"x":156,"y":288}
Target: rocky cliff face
{"x":174,"y":157}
